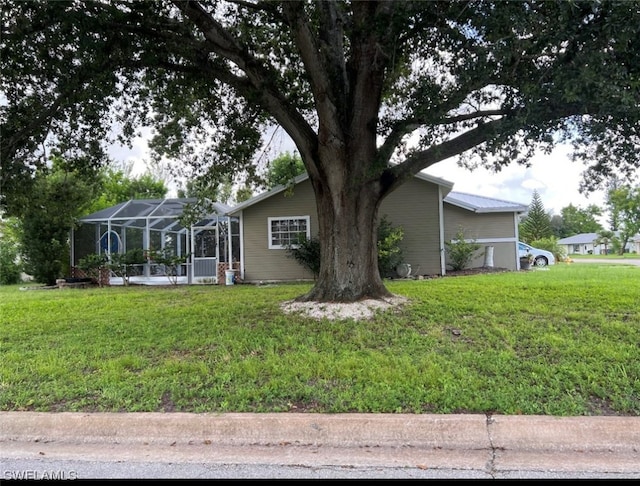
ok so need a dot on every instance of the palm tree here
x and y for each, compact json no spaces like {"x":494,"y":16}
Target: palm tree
{"x":605,"y":238}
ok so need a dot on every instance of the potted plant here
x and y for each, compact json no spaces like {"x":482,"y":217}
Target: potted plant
{"x":526,"y":261}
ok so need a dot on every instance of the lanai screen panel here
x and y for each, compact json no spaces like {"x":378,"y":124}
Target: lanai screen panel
{"x":139,"y":223}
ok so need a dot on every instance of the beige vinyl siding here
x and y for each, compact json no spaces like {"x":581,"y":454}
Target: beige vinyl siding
{"x":491,"y":228}
{"x":414,"y":207}
{"x":262,"y":263}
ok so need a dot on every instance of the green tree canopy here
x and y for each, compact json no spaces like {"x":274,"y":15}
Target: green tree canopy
{"x":10,"y":266}
{"x":283,"y":169}
{"x":60,"y":196}
{"x":576,"y":220}
{"x":624,"y":201}
{"x":371,"y":93}
{"x":116,"y":186}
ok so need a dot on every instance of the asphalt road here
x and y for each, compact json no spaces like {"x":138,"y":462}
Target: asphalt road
{"x":179,"y":471}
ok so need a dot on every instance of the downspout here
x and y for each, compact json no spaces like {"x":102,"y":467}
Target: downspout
{"x":241,"y":242}
{"x":443,"y":268}
{"x":516,"y":232}
{"x":73,"y":250}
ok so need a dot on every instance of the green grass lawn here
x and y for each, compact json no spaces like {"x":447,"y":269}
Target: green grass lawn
{"x":562,"y":341}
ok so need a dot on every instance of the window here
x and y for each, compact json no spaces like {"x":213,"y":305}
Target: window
{"x":286,"y":231}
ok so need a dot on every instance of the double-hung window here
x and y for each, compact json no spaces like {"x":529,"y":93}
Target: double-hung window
{"x":286,"y":231}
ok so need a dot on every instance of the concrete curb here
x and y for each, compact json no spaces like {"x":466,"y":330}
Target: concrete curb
{"x":473,"y":442}
{"x":339,"y":430}
{"x":468,"y":431}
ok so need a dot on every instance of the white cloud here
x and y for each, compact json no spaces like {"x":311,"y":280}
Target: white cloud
{"x":136,"y":156}
{"x":554,"y":176}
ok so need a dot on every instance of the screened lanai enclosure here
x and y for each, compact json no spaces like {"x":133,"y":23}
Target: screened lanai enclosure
{"x":205,"y":250}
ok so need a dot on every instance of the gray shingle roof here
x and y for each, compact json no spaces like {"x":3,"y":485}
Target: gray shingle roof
{"x":581,"y":239}
{"x":587,"y":238}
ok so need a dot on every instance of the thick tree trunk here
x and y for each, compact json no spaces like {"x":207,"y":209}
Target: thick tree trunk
{"x":345,"y":168}
{"x":349,"y":255}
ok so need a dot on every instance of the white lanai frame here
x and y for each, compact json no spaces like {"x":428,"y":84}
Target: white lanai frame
{"x":158,"y":216}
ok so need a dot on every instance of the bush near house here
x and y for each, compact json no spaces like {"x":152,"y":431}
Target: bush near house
{"x":170,"y":260}
{"x":461,"y":251}
{"x":389,"y":250}
{"x":9,"y":267}
{"x":551,"y":244}
{"x":307,"y":251}
{"x":91,"y":266}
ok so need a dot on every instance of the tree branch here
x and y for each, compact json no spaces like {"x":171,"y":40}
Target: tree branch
{"x":405,"y":127}
{"x":482,"y":133}
{"x":259,"y":78}
{"x":310,"y":54}
{"x":425,"y":158}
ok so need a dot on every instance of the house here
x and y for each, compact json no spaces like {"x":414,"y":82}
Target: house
{"x":249,"y":241}
{"x":427,"y":209}
{"x":582,"y":244}
{"x":587,"y":244}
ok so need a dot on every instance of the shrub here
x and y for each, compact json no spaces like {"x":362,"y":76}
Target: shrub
{"x":123,"y":264}
{"x":170,"y":260}
{"x":389,"y":251}
{"x":91,"y":265}
{"x":307,"y":251}
{"x":461,"y":251}
{"x":551,"y":244}
{"x":9,"y":268}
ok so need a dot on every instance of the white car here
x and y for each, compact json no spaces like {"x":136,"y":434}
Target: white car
{"x":541,"y":258}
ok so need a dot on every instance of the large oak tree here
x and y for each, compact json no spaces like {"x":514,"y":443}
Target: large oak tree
{"x":370,"y":92}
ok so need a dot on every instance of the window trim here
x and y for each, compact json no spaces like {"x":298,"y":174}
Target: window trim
{"x":270,"y":220}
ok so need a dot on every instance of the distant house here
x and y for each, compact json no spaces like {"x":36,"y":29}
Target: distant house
{"x":586,"y":244}
{"x":427,"y":209}
{"x":582,"y":244}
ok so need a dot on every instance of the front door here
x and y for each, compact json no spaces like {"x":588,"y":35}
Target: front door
{"x":205,"y":254}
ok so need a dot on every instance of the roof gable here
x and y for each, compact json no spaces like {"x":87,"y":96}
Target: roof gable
{"x":303,"y":177}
